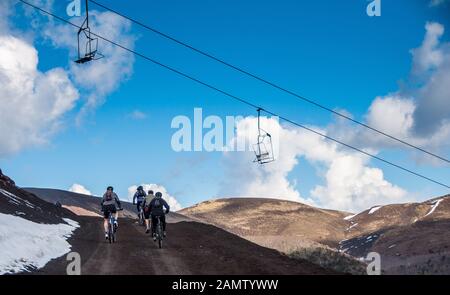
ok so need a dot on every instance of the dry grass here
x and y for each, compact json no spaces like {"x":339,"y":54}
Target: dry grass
{"x":330,"y":259}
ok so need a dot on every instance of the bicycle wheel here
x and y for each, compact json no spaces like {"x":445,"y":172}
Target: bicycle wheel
{"x":160,"y":235}
{"x":110,"y":233}
{"x":141,"y":218}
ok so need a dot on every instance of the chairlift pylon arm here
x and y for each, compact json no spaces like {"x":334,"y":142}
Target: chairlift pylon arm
{"x":259,"y":119}
{"x":87,"y":13}
{"x":263,"y":155}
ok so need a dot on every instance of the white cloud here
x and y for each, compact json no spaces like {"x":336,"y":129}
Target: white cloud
{"x":428,"y":55}
{"x":395,"y":116}
{"x":171,"y":200}
{"x":432,"y":62}
{"x":350,"y":184}
{"x":5,"y":11}
{"x":79,"y":189}
{"x":33,"y":103}
{"x":392,"y":114}
{"x":138,"y":115}
{"x":434,"y":3}
{"x":420,"y":115}
{"x":101,"y":77}
{"x":244,"y":179}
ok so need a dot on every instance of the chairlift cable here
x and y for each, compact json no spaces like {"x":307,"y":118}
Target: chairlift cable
{"x":272,"y":84}
{"x":243,"y":100}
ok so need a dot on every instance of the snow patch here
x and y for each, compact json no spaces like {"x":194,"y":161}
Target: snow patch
{"x":25,"y":244}
{"x":436,"y":204}
{"x":343,"y":241}
{"x":350,"y":217}
{"x":352,"y":226}
{"x":374,"y":209}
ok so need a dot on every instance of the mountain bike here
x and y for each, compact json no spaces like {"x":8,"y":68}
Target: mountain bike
{"x":159,"y":232}
{"x":141,"y":216}
{"x":112,"y":229}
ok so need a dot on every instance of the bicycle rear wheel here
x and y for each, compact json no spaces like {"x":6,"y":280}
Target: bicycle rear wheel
{"x":110,"y":233}
{"x":159,"y":234}
{"x":141,"y":218}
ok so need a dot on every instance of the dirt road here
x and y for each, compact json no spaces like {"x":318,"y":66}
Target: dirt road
{"x":190,"y":248}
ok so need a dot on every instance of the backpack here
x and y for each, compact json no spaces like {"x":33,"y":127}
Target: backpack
{"x":158,"y":204}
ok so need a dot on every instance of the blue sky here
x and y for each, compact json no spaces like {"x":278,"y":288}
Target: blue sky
{"x":330,"y":51}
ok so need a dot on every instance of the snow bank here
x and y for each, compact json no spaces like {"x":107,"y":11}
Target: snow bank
{"x":25,"y":244}
{"x":436,"y":204}
{"x":350,"y":217}
{"x":374,"y":209}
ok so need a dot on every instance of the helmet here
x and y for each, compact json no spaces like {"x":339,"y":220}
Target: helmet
{"x":140,"y":188}
{"x":158,"y":195}
{"x":110,"y":188}
{"x":150,"y":192}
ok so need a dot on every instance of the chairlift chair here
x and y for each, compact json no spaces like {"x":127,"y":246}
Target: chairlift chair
{"x":263,"y":148}
{"x":90,"y":51}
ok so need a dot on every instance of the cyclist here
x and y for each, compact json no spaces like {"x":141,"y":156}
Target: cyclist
{"x":108,"y":204}
{"x":156,"y":208}
{"x":138,"y":198}
{"x":145,"y":204}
